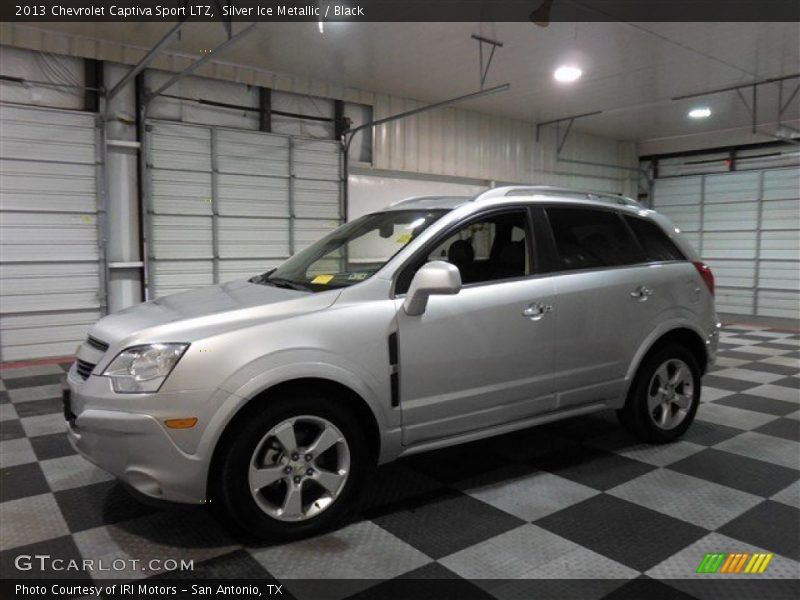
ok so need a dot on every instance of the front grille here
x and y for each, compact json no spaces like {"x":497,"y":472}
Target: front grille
{"x":97,"y":344}
{"x":84,"y":368}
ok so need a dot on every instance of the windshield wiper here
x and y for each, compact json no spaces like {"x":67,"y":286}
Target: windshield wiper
{"x":282,"y":282}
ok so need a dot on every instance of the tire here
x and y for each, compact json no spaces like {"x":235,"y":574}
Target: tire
{"x":664,"y":395}
{"x":269,"y":514}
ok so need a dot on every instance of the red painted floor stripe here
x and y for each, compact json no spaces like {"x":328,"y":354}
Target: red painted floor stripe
{"x":36,"y":362}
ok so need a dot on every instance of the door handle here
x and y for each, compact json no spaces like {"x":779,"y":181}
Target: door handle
{"x":536,"y":310}
{"x":641,"y":293}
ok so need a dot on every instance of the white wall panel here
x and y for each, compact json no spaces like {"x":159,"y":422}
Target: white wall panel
{"x":181,"y":237}
{"x":780,"y":214}
{"x":179,"y":146}
{"x":181,"y":192}
{"x":319,"y":199}
{"x":781,"y":244}
{"x":725,"y":245}
{"x":781,"y":183}
{"x":253,"y":238}
{"x":230,"y":203}
{"x":50,"y":278}
{"x":747,"y":226}
{"x":740,"y":216}
{"x":736,"y":301}
{"x":732,"y":187}
{"x":252,"y":153}
{"x":63,"y":188}
{"x":173,"y":276}
{"x":253,"y":196}
{"x":734,"y":273}
{"x":779,"y":304}
{"x":781,"y":275}
{"x":47,"y":135}
{"x":44,"y":334}
{"x":677,"y":191}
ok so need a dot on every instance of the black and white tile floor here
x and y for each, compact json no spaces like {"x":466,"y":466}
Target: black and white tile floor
{"x":559,"y":503}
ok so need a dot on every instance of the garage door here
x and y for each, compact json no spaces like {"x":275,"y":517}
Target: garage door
{"x":746,"y":225}
{"x":49,"y":258}
{"x":226,"y":204}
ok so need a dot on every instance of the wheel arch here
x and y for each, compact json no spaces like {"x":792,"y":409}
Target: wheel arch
{"x":339,"y":393}
{"x":685,"y":336}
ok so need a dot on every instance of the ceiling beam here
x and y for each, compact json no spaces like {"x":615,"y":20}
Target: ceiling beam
{"x":145,"y":60}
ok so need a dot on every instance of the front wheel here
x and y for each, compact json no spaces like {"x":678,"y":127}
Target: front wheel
{"x":664,"y":396}
{"x":294,"y":469}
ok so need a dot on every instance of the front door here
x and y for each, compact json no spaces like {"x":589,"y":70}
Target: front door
{"x":484,"y":356}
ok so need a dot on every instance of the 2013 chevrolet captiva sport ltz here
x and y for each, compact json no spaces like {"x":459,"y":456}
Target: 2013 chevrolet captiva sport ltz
{"x":433,"y":322}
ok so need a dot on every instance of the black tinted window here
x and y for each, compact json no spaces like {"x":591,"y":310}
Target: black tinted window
{"x":657,"y":246}
{"x":586,"y":238}
{"x":488,"y":249}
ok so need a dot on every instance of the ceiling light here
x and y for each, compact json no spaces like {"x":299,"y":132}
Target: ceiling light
{"x":567,"y":74}
{"x":701,"y":112}
{"x":321,"y":27}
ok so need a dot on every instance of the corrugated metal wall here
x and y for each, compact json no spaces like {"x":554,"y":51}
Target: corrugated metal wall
{"x":226,"y":204}
{"x":746,"y":225}
{"x":50,"y":276}
{"x":463,"y":143}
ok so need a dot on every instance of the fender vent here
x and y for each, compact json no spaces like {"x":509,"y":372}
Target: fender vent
{"x":84,"y":368}
{"x":97,"y":344}
{"x":394,"y":370}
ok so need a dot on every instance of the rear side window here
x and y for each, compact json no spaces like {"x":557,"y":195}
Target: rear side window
{"x":586,"y":238}
{"x":656,"y":244}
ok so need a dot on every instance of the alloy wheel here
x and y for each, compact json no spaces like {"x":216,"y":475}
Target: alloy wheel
{"x":670,"y":394}
{"x":299,"y":468}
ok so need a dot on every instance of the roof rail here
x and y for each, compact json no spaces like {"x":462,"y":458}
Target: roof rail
{"x":551,"y":191}
{"x":430,"y":197}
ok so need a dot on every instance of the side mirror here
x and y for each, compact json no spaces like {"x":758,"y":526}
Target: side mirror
{"x":434,"y":278}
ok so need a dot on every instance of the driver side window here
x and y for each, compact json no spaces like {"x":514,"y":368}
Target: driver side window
{"x":488,"y":249}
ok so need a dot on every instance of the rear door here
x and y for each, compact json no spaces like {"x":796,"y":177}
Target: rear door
{"x":603,"y":303}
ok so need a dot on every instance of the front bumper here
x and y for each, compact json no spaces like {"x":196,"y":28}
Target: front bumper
{"x":134,"y":447}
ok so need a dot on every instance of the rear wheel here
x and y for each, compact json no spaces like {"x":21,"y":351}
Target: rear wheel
{"x":664,"y":396}
{"x":294,"y":469}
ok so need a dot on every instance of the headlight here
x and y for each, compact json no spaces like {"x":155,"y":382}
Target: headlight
{"x":143,"y":368}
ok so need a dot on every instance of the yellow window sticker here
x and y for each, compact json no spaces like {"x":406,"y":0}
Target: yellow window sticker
{"x":322,"y":279}
{"x":403,"y":238}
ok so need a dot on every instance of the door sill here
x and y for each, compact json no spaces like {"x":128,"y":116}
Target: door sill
{"x":477,"y":434}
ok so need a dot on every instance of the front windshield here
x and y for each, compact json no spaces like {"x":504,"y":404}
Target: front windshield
{"x":351,"y":253}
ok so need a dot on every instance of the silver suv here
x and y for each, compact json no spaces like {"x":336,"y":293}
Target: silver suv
{"x":436,"y":321}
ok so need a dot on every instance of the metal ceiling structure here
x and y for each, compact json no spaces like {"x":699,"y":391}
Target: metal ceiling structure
{"x":639,"y":66}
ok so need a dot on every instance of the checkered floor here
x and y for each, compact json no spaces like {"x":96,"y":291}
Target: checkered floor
{"x":560,"y":503}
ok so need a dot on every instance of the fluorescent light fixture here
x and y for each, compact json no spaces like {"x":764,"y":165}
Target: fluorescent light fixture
{"x":321,"y":27}
{"x":701,"y":112}
{"x":567,"y":73}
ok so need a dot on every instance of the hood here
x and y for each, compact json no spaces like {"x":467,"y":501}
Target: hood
{"x":199,"y":313}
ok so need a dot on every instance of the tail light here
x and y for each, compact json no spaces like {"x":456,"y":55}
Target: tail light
{"x":706,"y":274}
